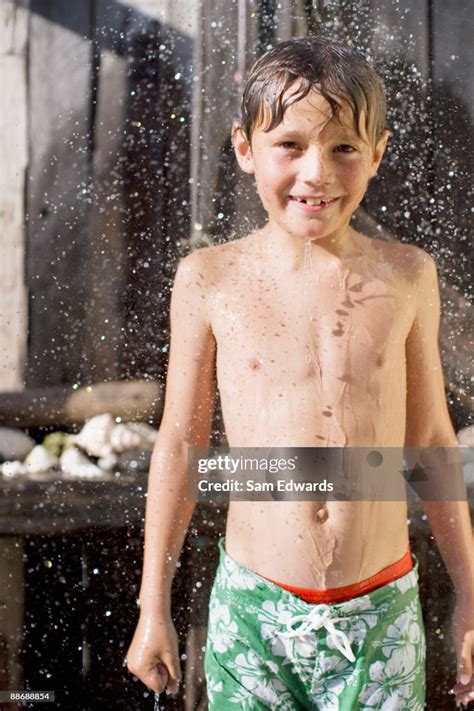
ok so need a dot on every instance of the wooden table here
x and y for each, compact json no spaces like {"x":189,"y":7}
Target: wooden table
{"x":79,"y":527}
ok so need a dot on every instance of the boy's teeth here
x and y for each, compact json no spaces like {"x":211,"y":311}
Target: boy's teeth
{"x":312,"y":201}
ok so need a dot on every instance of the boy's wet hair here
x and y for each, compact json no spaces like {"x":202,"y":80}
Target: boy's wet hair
{"x":333,"y":68}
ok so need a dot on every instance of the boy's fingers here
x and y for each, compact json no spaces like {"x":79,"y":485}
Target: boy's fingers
{"x":156,"y":679}
{"x":162,"y":671}
{"x":174,"y":672}
{"x":464,"y":699}
{"x":465,"y":660}
{"x":172,"y":664}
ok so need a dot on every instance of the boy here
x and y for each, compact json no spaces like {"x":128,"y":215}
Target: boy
{"x":313,"y":330}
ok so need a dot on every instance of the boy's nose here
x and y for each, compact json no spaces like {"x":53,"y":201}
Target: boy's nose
{"x":316,"y":168}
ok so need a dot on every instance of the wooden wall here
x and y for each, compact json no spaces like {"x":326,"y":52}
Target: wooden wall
{"x":107,"y":192}
{"x":118,"y":160}
{"x":124,"y":125}
{"x":13,"y":151}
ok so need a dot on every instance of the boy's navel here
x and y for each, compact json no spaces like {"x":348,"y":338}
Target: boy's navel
{"x":322,"y":514}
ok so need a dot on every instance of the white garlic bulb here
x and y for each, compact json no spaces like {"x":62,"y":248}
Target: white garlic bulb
{"x":40,"y":460}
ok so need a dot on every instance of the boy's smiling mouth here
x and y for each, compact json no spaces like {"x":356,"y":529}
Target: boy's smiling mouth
{"x":311,"y":203}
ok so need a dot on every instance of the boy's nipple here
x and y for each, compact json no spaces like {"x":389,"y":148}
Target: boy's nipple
{"x":255,"y":363}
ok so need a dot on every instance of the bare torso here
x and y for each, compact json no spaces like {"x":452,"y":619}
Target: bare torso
{"x":312,"y":355}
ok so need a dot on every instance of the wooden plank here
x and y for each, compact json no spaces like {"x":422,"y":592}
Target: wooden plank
{"x":176,"y":15}
{"x":58,"y":187}
{"x":11,"y":613}
{"x":62,"y":406}
{"x":60,"y":506}
{"x":13,"y":149}
{"x":395,"y":37}
{"x":14,"y":316}
{"x":225,"y":203}
{"x":452,"y":60}
{"x":104,"y":327}
{"x":453,"y":104}
{"x":145,"y":298}
{"x":139,"y":233}
{"x":284,"y":21}
{"x":451,"y":220}
{"x":115,"y":325}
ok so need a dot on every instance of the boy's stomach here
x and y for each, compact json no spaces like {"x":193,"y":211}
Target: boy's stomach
{"x":305,"y":414}
{"x":317,"y":544}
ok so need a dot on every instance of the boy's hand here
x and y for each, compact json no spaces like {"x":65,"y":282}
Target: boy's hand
{"x":463,"y":634}
{"x":153,"y":654}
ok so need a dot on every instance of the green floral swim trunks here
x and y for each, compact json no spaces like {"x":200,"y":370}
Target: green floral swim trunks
{"x":267,"y":648}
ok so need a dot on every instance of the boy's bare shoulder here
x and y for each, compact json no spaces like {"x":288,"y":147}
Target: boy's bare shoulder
{"x":407,"y":261}
{"x":394,"y":250}
{"x":210,"y":261}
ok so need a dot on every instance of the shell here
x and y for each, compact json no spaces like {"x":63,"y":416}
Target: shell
{"x":133,"y":435}
{"x":465,"y":439}
{"x":465,"y":436}
{"x":39,"y":460}
{"x":108,"y":463}
{"x":467,"y":454}
{"x":14,"y":444}
{"x":13,"y":469}
{"x":74,"y":463}
{"x":94,"y":438}
{"x":468,"y":471}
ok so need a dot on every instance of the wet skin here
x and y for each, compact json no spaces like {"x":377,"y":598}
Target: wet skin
{"x":318,"y":336}
{"x":312,"y":356}
{"x":307,"y":321}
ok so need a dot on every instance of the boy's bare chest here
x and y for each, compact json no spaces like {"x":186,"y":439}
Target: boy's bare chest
{"x":270,"y":327}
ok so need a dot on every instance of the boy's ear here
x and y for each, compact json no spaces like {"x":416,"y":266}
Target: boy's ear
{"x":242,"y":149}
{"x":379,"y":150}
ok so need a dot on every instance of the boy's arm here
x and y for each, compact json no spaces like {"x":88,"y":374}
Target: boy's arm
{"x":429,"y":425}
{"x":187,"y":419}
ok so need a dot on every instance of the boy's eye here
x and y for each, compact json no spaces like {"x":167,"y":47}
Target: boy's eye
{"x":289,"y":145}
{"x":345,"y":148}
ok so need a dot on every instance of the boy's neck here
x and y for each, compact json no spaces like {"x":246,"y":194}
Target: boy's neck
{"x":290,"y":249}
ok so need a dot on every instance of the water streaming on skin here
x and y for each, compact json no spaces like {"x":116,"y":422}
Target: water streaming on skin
{"x":312,"y":356}
{"x":314,"y":346}
{"x":324,"y":546}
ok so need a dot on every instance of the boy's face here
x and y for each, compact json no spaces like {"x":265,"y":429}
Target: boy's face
{"x":310,"y":157}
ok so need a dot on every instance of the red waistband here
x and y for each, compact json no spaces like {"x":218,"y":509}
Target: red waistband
{"x":348,"y":592}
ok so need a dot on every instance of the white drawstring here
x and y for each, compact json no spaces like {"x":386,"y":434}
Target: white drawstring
{"x":320,"y":617}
